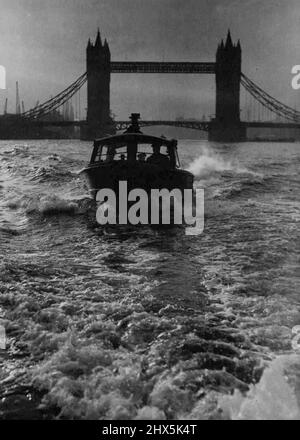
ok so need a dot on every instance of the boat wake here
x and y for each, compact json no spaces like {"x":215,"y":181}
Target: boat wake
{"x":150,"y":324}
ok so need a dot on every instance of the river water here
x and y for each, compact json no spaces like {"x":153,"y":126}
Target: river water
{"x":147,"y":323}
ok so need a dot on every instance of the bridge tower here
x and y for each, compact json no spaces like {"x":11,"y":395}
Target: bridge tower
{"x":227,"y":126}
{"x":98,"y":60}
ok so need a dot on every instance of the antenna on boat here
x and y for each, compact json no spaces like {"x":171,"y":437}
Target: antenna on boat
{"x":134,"y":127}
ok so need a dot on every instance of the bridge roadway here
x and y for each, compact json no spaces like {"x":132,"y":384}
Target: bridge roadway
{"x":272,"y":124}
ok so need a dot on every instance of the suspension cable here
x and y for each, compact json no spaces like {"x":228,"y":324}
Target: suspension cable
{"x":268,"y":101}
{"x":57,"y":101}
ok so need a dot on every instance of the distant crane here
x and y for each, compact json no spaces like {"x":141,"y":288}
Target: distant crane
{"x":23,"y":107}
{"x":5,"y":107}
{"x":18,"y":106}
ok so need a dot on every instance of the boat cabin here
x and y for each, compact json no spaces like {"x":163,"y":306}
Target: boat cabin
{"x":136,"y":147}
{"x":142,"y":160}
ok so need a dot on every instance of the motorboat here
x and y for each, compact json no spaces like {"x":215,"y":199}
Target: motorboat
{"x":143,"y":161}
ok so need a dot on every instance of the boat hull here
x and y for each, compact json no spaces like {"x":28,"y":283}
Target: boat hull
{"x":143,"y":176}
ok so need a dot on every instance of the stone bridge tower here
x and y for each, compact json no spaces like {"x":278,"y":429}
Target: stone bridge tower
{"x":227,"y":127}
{"x":98,"y":60}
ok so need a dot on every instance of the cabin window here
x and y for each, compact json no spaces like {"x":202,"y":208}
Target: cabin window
{"x":108,"y":153}
{"x":121,"y":153}
{"x":147,"y":150}
{"x":144,"y":152}
{"x":98,"y":154}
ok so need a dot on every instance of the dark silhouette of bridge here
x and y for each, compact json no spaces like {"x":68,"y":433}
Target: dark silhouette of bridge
{"x":226,"y":126}
{"x":193,"y":124}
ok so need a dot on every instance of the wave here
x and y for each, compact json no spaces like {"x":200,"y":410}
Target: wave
{"x":273,"y":398}
{"x":243,"y":186}
{"x":209,"y":163}
{"x":18,"y":150}
{"x":225,"y":178}
{"x":9,"y":231}
{"x":53,"y":173}
{"x":51,"y":204}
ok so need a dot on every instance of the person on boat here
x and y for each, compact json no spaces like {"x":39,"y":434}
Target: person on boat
{"x":172,"y":157}
{"x":157,"y":158}
{"x":110,"y":154}
{"x":142,"y":157}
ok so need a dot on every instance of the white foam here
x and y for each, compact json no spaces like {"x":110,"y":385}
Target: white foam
{"x":209,"y":162}
{"x":273,"y":398}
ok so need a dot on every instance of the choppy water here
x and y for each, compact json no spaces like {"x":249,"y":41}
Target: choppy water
{"x":150,"y":324}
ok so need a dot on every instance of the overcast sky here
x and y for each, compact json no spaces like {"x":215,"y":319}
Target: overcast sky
{"x":43,"y":42}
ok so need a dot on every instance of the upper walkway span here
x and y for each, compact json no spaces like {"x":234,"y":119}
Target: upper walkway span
{"x":161,"y":67}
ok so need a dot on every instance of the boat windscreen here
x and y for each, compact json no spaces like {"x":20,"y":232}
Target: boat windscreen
{"x":106,"y":153}
{"x":133,"y":151}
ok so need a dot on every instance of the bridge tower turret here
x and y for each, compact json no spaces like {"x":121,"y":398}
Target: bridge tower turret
{"x":227,"y":126}
{"x":98,"y":60}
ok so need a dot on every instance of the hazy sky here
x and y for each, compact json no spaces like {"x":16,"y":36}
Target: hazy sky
{"x":43,"y":42}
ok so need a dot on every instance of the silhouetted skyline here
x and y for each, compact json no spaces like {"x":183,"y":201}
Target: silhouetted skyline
{"x":43,"y":47}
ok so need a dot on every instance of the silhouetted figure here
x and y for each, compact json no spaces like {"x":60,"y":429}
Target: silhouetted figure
{"x":157,"y":158}
{"x":110,"y":154}
{"x":142,"y":157}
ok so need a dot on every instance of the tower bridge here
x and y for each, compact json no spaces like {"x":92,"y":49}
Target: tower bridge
{"x":226,"y":126}
{"x":227,"y":69}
